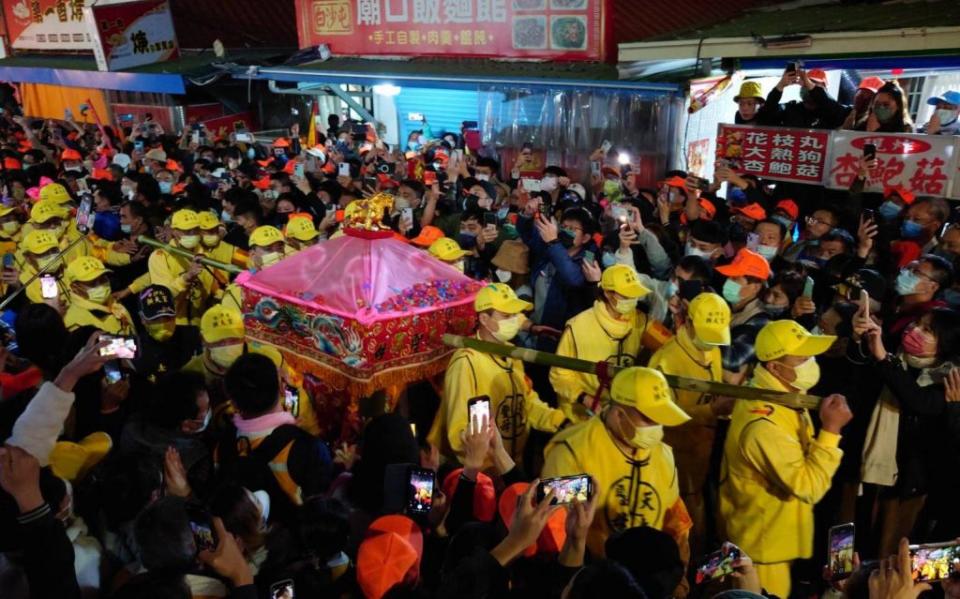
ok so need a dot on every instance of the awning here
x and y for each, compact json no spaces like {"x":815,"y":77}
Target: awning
{"x":81,"y":71}
{"x":455,"y":74}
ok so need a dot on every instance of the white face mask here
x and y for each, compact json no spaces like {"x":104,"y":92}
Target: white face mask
{"x":548,"y":183}
{"x":482,"y":177}
{"x":503,"y":275}
{"x":262,"y":499}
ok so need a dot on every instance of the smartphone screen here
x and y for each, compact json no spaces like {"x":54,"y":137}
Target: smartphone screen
{"x":718,"y":564}
{"x":478,"y":407}
{"x":589,"y":256}
{"x":934,"y":562}
{"x":429,"y":178}
{"x":48,"y":287}
{"x":120,"y":346}
{"x":111,"y":371}
{"x":282,"y":590}
{"x":753,"y":240}
{"x":595,"y":168}
{"x":808,"y":287}
{"x":298,"y":169}
{"x":605,"y":146}
{"x":291,"y":400}
{"x":791,"y":67}
{"x":8,"y":260}
{"x":201,"y":526}
{"x":531,"y":185}
{"x":567,"y":489}
{"x":83,"y":213}
{"x":840,"y":556}
{"x":420,"y":486}
{"x":344,"y":169}
{"x":407,"y":214}
{"x":138,"y":146}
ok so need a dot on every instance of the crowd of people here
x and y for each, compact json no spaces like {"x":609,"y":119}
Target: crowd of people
{"x":194,"y":465}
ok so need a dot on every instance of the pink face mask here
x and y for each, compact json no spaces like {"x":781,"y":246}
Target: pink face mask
{"x":916,"y":343}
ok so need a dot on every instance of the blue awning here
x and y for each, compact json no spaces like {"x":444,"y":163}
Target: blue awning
{"x":129,"y":82}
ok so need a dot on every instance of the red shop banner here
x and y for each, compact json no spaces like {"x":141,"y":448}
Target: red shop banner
{"x":778,"y":153}
{"x":555,"y":29}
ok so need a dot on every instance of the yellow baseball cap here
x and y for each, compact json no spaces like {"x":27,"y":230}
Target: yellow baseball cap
{"x":71,"y":461}
{"x":500,"y":297}
{"x":221,"y":322}
{"x":85,"y":269}
{"x":185,"y":220}
{"x":711,"y":318}
{"x":44,"y":210}
{"x":623,"y":279}
{"x":646,"y":389}
{"x":208,"y":220}
{"x":265,"y":236}
{"x":301,"y":228}
{"x":39,"y":242}
{"x":787,"y":338}
{"x":54,"y":192}
{"x":447,"y":250}
{"x":5,"y":210}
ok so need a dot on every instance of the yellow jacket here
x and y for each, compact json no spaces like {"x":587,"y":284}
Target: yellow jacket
{"x":596,"y":336}
{"x":112,"y":318}
{"x":190,"y":299}
{"x":774,"y":471}
{"x":513,"y":403}
{"x":637,"y":490}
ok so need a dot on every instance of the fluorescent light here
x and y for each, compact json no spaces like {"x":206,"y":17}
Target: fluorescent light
{"x":386,"y":89}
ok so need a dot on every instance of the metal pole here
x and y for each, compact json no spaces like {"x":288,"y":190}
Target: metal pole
{"x":185,"y":254}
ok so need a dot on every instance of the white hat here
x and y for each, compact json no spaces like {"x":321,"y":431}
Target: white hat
{"x":122,"y":160}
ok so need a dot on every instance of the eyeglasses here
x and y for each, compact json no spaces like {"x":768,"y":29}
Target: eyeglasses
{"x":813,"y":220}
{"x":914,"y":267}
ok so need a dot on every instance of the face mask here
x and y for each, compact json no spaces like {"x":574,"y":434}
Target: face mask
{"x":251,"y":153}
{"x":225,"y":355}
{"x":906,"y":283}
{"x":189,"y":241}
{"x":160,"y":332}
{"x":73,"y":169}
{"x":889,"y":210}
{"x":507,"y":329}
{"x":211,"y":240}
{"x":731,"y":292}
{"x":503,"y":275}
{"x":99,"y":294}
{"x":165,"y":186}
{"x":262,"y":499}
{"x":883,"y":113}
{"x":567,"y":237}
{"x":482,"y":177}
{"x":50,"y":263}
{"x":626,"y":306}
{"x":270,"y":258}
{"x":126,"y":229}
{"x":646,"y":437}
{"x":225,"y":216}
{"x":413,"y":146}
{"x":768,"y":251}
{"x":400,"y":203}
{"x":467,"y":240}
{"x":910,"y":229}
{"x":10,"y":228}
{"x":786,"y":222}
{"x":915,"y":343}
{"x":774,"y":310}
{"x":670,"y":290}
{"x":608,"y":259}
{"x":690,"y":250}
{"x":808,"y":375}
{"x":548,"y":183}
{"x":946,"y":116}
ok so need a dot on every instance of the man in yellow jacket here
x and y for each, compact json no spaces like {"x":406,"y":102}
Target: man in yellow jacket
{"x":90,"y":299}
{"x":192,"y":284}
{"x":622,"y":449}
{"x":611,"y":331}
{"x":266,"y":249}
{"x":774,"y":468}
{"x":300,"y":233}
{"x":694,"y":352}
{"x":222,"y":333}
{"x":514,"y":404}
{"x":214,"y":247}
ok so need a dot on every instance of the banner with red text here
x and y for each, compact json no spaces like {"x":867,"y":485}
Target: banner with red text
{"x":554,"y":29}
{"x":924,"y":164}
{"x":47,"y":24}
{"x":132,"y":34}
{"x":778,"y":153}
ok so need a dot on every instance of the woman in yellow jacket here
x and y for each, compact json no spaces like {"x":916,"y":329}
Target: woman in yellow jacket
{"x":514,"y":404}
{"x":695,"y":353}
{"x":611,"y":331}
{"x":632,"y":469}
{"x":774,"y":468}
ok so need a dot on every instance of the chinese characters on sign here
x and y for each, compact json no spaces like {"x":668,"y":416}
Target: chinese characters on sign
{"x":47,"y":24}
{"x":774,"y":153}
{"x":565,"y":29}
{"x":132,"y":34}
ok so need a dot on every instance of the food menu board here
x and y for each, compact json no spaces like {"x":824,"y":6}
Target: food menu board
{"x":555,"y":29}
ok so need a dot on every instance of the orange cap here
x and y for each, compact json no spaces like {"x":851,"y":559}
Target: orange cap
{"x":70,"y":154}
{"x":427,"y":236}
{"x":262,"y":183}
{"x":484,"y":495}
{"x":746,"y":264}
{"x":790,"y":207}
{"x":102,"y":174}
{"x":290,"y":167}
{"x":905,"y":194}
{"x":818,"y":75}
{"x":752,"y":210}
{"x":281,"y":142}
{"x":554,"y":533}
{"x":179,"y":188}
{"x":265,"y":163}
{"x":872,"y":83}
{"x":389,"y":556}
{"x":707,"y":209}
{"x":173,"y":165}
{"x":386,"y":180}
{"x":11,"y":164}
{"x":674,"y":181}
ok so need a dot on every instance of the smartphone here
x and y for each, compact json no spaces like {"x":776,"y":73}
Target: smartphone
{"x":298,"y":169}
{"x":48,"y":287}
{"x":83,"y":213}
{"x":413,"y":429}
{"x":8,"y":260}
{"x":201,"y":525}
{"x":138,"y":146}
{"x":869,"y":151}
{"x":791,"y":67}
{"x":420,"y":483}
{"x":282,"y":590}
{"x":619,"y":212}
{"x":936,"y":561}
{"x":840,"y":550}
{"x":869,"y":214}
{"x":605,"y":147}
{"x":589,"y":256}
{"x":490,"y":219}
{"x":808,"y":287}
{"x":126,"y":117}
{"x":567,"y":489}
{"x":718,"y":564}
{"x":531,"y":185}
{"x":343,"y":170}
{"x":595,"y":167}
{"x":753,"y":240}
{"x":478,"y":407}
{"x":244,"y":137}
{"x":429,"y":178}
{"x":119,"y":346}
{"x":291,"y":400}
{"x":195,"y":137}
{"x":111,"y":371}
